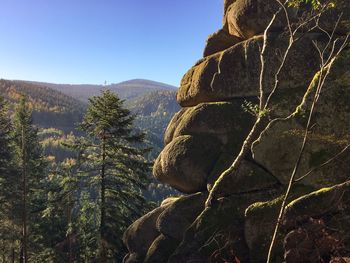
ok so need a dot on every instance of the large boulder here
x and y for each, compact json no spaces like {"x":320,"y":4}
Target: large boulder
{"x":234,"y":73}
{"x":203,"y":139}
{"x":161,"y":249}
{"x":259,"y":223}
{"x":317,"y":204}
{"x":227,"y":4}
{"x":248,"y":18}
{"x":174,"y":221}
{"x":318,"y":222}
{"x":218,"y":232}
{"x":187,"y":161}
{"x":141,"y":234}
{"x":219,"y":41}
{"x":302,"y":232}
{"x":279,"y":147}
{"x":250,"y":177}
{"x":200,"y":75}
{"x":227,"y":121}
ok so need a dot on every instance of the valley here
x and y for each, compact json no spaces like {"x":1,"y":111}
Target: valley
{"x":57,"y":108}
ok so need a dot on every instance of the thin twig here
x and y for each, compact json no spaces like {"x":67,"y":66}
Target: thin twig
{"x":322,"y":165}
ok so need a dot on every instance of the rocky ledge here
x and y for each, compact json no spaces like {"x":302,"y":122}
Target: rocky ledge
{"x":218,"y":95}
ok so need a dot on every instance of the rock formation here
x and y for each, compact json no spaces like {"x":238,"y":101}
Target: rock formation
{"x":218,"y":95}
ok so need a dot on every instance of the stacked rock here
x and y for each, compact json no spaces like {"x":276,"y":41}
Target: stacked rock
{"x":203,"y":139}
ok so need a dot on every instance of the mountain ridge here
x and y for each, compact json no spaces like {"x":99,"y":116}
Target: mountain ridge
{"x":128,"y":89}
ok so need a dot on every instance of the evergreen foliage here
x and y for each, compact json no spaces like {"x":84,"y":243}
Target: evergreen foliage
{"x":118,"y":172}
{"x":31,"y":181}
{"x":60,"y":175}
{"x":22,"y":179}
{"x":9,"y":231}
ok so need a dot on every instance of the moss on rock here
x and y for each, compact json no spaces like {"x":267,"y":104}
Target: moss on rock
{"x":234,"y":72}
{"x":260,"y":220}
{"x":225,"y":120}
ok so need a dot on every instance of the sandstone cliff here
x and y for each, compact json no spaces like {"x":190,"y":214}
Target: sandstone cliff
{"x":205,"y":136}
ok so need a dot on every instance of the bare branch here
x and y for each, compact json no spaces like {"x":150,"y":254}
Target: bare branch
{"x":322,"y":165}
{"x":324,"y":72}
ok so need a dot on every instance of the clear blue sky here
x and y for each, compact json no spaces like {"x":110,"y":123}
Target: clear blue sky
{"x":90,"y":41}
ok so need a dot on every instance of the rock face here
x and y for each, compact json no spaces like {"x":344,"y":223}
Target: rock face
{"x":219,"y":99}
{"x":308,"y":220}
{"x":214,"y":78}
{"x":219,"y":41}
{"x":326,"y":139}
{"x":223,"y":120}
{"x":174,"y":221}
{"x":186,"y":162}
{"x":318,"y":221}
{"x":140,"y":235}
{"x":154,"y":237}
{"x":247,"y":18}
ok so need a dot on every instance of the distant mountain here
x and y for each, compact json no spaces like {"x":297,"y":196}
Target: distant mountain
{"x":127,"y":90}
{"x":51,"y":108}
{"x":138,"y":87}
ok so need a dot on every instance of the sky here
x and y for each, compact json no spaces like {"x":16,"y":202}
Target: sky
{"x":93,"y":41}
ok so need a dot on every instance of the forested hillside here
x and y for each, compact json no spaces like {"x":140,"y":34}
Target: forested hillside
{"x":51,"y":108}
{"x":47,"y":150}
{"x":57,"y":114}
{"x":62,"y":207}
{"x":58,"y":107}
{"x":153,"y":111}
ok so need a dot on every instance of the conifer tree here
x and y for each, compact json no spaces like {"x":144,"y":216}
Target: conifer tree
{"x":113,"y":154}
{"x":8,"y":180}
{"x":31,"y":163}
{"x":68,"y":182}
{"x":6,"y":152}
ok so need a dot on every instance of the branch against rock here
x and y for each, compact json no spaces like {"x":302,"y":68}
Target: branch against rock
{"x":260,"y":124}
{"x":323,"y":164}
{"x":325,"y":68}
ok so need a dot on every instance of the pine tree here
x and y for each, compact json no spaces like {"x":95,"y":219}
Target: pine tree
{"x":8,"y":192}
{"x":68,"y":194}
{"x":87,"y":226}
{"x":6,"y":151}
{"x":118,"y":170}
{"x":31,"y":163}
{"x":69,"y":186}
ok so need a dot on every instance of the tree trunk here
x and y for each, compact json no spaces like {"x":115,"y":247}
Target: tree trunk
{"x":12,"y":255}
{"x":103,"y":256}
{"x":246,"y":147}
{"x":69,"y":216}
{"x":24,"y":252}
{"x":21,"y":257}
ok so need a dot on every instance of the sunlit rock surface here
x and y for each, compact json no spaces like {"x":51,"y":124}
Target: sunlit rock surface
{"x":219,"y":97}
